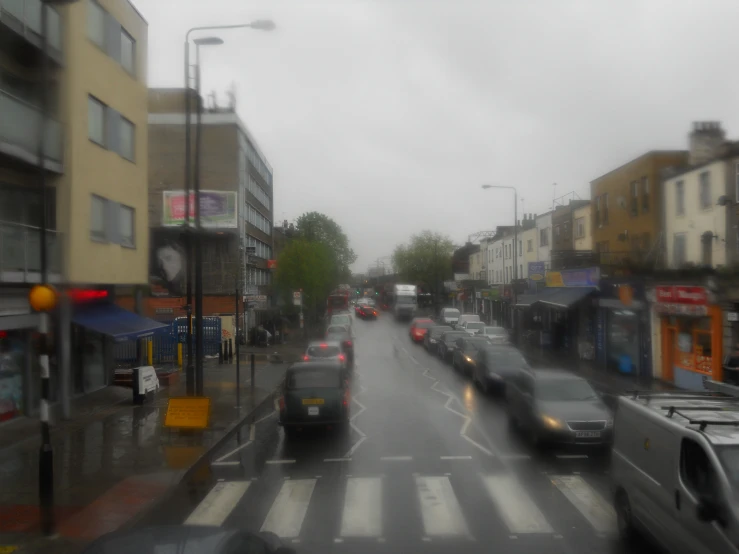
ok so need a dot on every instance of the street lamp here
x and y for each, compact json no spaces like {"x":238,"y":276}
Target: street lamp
{"x":515,"y":224}
{"x":43,"y":297}
{"x":194,"y":375}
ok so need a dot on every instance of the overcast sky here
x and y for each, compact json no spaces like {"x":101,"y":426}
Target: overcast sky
{"x":387,"y":115}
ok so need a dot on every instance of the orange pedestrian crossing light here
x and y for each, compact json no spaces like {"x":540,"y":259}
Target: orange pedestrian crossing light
{"x":42,"y":298}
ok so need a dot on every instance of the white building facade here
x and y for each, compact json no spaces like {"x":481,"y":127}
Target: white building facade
{"x":544,"y":238}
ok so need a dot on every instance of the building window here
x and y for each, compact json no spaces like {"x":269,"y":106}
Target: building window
{"x":705,"y":190}
{"x":566,"y":226}
{"x":679,"y":249}
{"x":530,"y":245}
{"x":645,"y":194}
{"x":127,"y":139}
{"x":96,"y":23}
{"x":556,"y":233}
{"x":580,"y":227}
{"x":126,"y":219}
{"x":597,"y":211}
{"x":520,"y":248}
{"x":680,"y":198}
{"x":128,"y":52}
{"x":543,"y":238}
{"x":634,"y":198}
{"x":605,"y":209}
{"x":97,"y":218}
{"x":96,"y":120}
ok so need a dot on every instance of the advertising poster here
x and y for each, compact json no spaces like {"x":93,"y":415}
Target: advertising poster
{"x":217,"y":209}
{"x":537,"y":271}
{"x":167,"y":263}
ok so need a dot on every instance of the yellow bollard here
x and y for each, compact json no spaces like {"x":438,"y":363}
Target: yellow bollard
{"x":150,"y":352}
{"x":179,"y":355}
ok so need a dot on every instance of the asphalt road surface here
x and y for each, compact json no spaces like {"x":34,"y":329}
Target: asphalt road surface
{"x":428,"y":466}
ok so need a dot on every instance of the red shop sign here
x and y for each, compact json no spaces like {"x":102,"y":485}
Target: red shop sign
{"x":695,"y":296}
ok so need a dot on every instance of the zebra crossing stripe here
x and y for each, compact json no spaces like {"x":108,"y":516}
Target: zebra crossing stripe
{"x":362,"y":512}
{"x":599,"y":513}
{"x":285,"y":517}
{"x":440,"y":510}
{"x":515,"y":506}
{"x":218,"y":503}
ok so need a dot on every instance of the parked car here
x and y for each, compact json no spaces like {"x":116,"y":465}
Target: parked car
{"x":419,"y":327}
{"x":433,"y":334}
{"x":314,"y":394}
{"x":326,"y":351}
{"x":367,"y":312}
{"x":463,"y":357}
{"x":448,"y":344}
{"x":449,"y":316}
{"x":341,"y":333}
{"x":497,"y":334}
{"x":472,"y":327}
{"x":555,"y":406}
{"x":495,"y":364}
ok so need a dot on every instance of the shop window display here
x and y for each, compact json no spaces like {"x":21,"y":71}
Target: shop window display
{"x":12,"y":363}
{"x":693,"y":349}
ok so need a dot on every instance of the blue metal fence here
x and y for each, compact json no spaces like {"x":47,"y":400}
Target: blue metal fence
{"x":165,"y":340}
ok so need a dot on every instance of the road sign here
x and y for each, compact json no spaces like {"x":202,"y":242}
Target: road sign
{"x":188,"y":412}
{"x":297,"y":298}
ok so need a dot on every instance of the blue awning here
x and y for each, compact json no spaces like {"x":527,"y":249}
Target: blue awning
{"x":114,"y":321}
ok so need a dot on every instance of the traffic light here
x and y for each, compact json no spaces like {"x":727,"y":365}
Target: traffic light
{"x":376,"y":293}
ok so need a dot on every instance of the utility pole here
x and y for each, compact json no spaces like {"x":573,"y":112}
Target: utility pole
{"x":190,"y":369}
{"x":199,"y":386}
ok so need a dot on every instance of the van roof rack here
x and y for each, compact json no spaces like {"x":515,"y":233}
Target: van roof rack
{"x":725,"y":388}
{"x":702,"y":423}
{"x":677,"y":395}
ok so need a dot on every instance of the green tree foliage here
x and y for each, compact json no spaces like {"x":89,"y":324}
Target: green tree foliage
{"x":315,"y":226}
{"x":306,"y":265}
{"x":426,"y":259}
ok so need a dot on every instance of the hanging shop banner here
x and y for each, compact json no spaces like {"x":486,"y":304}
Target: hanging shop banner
{"x":492,"y":293}
{"x":537,"y":272}
{"x":217,"y":209}
{"x":588,"y":277}
{"x":695,"y":296}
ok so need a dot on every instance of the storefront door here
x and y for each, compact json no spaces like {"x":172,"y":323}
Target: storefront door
{"x":623,"y":340}
{"x":12,"y":369}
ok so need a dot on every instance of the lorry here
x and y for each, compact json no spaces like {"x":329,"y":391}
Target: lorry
{"x":404,"y":301}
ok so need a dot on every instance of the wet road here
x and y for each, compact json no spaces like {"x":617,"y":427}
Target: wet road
{"x":429,"y":466}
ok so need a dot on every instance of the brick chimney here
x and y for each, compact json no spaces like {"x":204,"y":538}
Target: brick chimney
{"x":706,"y":141}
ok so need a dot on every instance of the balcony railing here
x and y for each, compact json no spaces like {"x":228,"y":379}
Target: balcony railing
{"x":20,"y":253}
{"x":19,"y":131}
{"x":24,"y":16}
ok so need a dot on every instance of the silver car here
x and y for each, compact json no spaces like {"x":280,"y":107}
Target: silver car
{"x":324,"y":351}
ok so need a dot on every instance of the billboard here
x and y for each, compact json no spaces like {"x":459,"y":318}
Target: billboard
{"x":589,"y":277}
{"x":217,"y":209}
{"x":167,"y":262}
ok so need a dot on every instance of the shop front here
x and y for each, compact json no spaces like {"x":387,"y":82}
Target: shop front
{"x":623,"y":337}
{"x":692,"y":335}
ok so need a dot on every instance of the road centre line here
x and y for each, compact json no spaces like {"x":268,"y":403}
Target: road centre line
{"x":396,"y":458}
{"x":234,"y":451}
{"x":280,"y":461}
{"x":220,"y":464}
{"x":455,"y":457}
{"x":337,"y":459}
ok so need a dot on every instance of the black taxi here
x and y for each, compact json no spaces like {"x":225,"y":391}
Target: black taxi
{"x":314,"y":394}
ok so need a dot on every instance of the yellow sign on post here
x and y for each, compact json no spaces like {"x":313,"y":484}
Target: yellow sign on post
{"x":188,"y":412}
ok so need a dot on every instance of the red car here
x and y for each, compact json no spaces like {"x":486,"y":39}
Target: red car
{"x":368,"y":312}
{"x":419,"y":327}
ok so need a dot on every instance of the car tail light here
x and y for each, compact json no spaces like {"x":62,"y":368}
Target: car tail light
{"x":324,"y":345}
{"x":347,"y":398}
{"x":282,"y":403}
{"x":342,"y":357}
{"x":348,"y":343}
{"x":374,"y":313}
{"x":306,"y":358}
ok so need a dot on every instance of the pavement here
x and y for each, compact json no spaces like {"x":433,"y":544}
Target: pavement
{"x":429,"y":465}
{"x":114,"y":461}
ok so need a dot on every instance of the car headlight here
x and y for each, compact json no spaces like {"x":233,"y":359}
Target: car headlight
{"x":468,"y":359}
{"x":609,"y":423}
{"x":551,"y":422}
{"x":432,"y":341}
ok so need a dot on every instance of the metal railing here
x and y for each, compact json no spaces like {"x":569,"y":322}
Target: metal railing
{"x":20,"y":250}
{"x":27,"y":17}
{"x":19,"y":126}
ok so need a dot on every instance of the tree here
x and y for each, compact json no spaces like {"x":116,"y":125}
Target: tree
{"x":315,"y":226}
{"x":426,"y":259}
{"x":308,"y":266}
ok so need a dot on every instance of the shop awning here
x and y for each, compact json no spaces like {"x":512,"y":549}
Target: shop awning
{"x":527,"y":300}
{"x":114,"y":321}
{"x":566,"y":297}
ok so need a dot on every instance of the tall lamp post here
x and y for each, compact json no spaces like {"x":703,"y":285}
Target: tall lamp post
{"x":43,"y":297}
{"x":194,"y":375}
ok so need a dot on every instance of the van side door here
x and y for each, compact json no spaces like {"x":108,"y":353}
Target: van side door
{"x":700,"y":492}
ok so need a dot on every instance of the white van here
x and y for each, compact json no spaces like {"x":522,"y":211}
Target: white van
{"x":449,"y":316}
{"x":466,"y":318}
{"x":675,"y":470}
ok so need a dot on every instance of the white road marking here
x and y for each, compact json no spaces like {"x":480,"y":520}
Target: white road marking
{"x":599,"y":513}
{"x":218,"y":503}
{"x":252,"y":432}
{"x":353,"y":449}
{"x":362,"y":513}
{"x":515,"y":506}
{"x":396,"y":458}
{"x":455,"y":457}
{"x":572,"y":456}
{"x":271,"y":414}
{"x":337,"y":460}
{"x":515,"y":457}
{"x":280,"y":461}
{"x":415,"y":361}
{"x":234,"y":451}
{"x":440,"y":510}
{"x":221,"y":464}
{"x":426,"y":374}
{"x":362,"y":436}
{"x":285,"y":517}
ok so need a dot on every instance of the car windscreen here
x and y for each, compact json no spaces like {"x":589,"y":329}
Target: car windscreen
{"x":505,"y":357}
{"x":564,"y":390}
{"x":437,"y":331}
{"x":323,"y":351}
{"x":343,"y":336}
{"x":309,"y":378}
{"x":450,"y":313}
{"x":341,"y":319}
{"x":474,"y":345}
{"x":406,"y":300}
{"x":474,"y":325}
{"x":424,"y":324}
{"x":335,"y":329}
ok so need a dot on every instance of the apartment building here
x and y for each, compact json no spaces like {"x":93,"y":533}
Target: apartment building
{"x":544,"y":236}
{"x":627,"y":209}
{"x":95,"y":168}
{"x":582,"y":227}
{"x":564,"y":255}
{"x":236,"y":207}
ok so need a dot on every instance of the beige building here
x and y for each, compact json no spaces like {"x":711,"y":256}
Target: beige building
{"x":582,"y":226}
{"x":530,"y":252}
{"x":95,"y":161}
